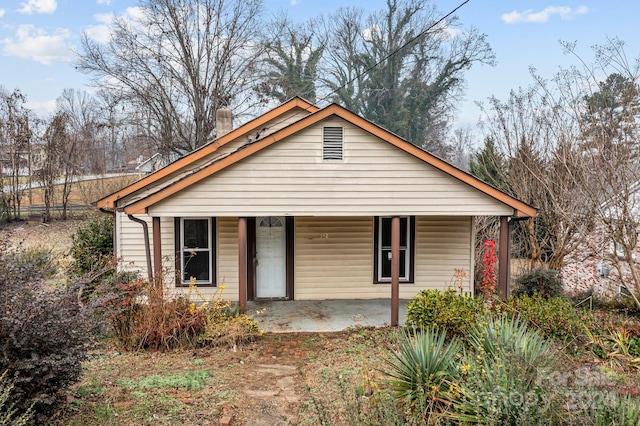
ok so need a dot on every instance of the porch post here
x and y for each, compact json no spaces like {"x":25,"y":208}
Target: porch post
{"x":242,"y":264}
{"x":395,"y":269}
{"x":157,"y":250}
{"x":504,"y":258}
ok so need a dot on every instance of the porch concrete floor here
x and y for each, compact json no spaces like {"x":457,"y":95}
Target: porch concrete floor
{"x":323,"y":315}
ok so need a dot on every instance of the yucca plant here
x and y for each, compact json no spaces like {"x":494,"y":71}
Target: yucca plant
{"x":504,"y":376}
{"x":624,"y":411}
{"x":422,"y":371}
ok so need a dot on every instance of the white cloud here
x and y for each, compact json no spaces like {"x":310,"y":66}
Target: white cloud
{"x":136,"y":13}
{"x":445,"y":31}
{"x":34,"y":43}
{"x":2,"y":11}
{"x":38,"y":6}
{"x":371,"y":32}
{"x":294,"y":2}
{"x":105,"y":2}
{"x":42,"y":108}
{"x":100,"y":33}
{"x":104,"y":18}
{"x":530,"y":16}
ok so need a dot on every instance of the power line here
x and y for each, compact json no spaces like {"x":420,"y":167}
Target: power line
{"x":394,"y":52}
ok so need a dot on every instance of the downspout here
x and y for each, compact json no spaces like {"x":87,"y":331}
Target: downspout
{"x":115,"y":232}
{"x":147,"y":246}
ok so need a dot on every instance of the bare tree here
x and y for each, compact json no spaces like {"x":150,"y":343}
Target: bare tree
{"x":53,"y":139}
{"x":15,"y":139}
{"x":542,"y":167}
{"x":399,"y":69}
{"x":603,"y":98}
{"x":292,"y":55}
{"x":83,"y":117}
{"x":180,"y":61}
{"x":461,"y":147}
{"x":570,"y":145}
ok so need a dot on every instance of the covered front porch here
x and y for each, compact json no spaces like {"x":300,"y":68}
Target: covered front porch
{"x":323,"y":315}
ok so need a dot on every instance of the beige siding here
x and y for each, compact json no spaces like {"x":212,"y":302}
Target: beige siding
{"x":334,"y":257}
{"x":131,"y":250}
{"x":228,"y":256}
{"x":269,"y":128}
{"x":130,"y":243}
{"x":290,"y":178}
{"x":443,"y":244}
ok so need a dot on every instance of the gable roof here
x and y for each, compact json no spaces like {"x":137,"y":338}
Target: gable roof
{"x":139,"y":206}
{"x":166,"y":172}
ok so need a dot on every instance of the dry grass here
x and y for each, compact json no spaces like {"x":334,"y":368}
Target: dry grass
{"x":82,"y":193}
{"x":158,"y":388}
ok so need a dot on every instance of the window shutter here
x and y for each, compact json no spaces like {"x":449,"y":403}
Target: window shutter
{"x":332,"y":143}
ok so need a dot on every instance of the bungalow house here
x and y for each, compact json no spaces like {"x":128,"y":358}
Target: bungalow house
{"x":308,"y":203}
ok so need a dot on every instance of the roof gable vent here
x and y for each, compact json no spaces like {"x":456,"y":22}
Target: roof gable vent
{"x":332,"y":143}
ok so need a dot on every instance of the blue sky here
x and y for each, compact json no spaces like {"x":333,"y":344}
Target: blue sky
{"x":37,"y":38}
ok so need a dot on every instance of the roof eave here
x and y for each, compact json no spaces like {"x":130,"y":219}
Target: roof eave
{"x":520,"y":209}
{"x":110,"y":200}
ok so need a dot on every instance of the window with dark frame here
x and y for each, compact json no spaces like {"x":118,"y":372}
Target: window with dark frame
{"x":382,"y":243}
{"x":195,"y":241}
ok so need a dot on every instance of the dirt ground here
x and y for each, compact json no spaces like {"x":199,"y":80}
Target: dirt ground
{"x":54,"y":236}
{"x":280,"y":379}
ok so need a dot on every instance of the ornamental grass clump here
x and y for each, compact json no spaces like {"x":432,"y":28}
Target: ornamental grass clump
{"x":422,"y":372}
{"x":505,"y":376}
{"x":142,"y":316}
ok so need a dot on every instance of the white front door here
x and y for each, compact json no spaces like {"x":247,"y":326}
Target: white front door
{"x":271,"y":279}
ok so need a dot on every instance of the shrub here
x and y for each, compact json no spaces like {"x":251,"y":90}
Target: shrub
{"x":92,"y":246}
{"x":115,"y":300}
{"x":8,"y":412}
{"x":444,"y":310}
{"x":223,"y":325}
{"x":545,"y":282}
{"x":504,"y":376}
{"x":423,"y":370}
{"x":555,"y":318}
{"x":44,"y":334}
{"x":38,"y":258}
{"x":142,"y":317}
{"x":621,"y":304}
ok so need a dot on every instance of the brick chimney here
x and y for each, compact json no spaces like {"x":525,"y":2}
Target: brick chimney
{"x":224,"y":122}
